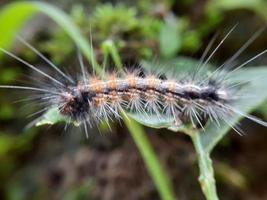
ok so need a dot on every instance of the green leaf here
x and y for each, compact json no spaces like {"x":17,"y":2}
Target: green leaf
{"x":170,"y":39}
{"x":12,"y":18}
{"x":229,"y":4}
{"x":258,"y":6}
{"x":15,"y":15}
{"x":256,"y":88}
{"x":212,"y":134}
{"x":176,"y":67}
{"x":51,"y":117}
{"x":154,"y":122}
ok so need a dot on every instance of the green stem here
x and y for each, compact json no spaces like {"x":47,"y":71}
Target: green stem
{"x":159,"y":176}
{"x":110,"y":48}
{"x":206,"y":178}
{"x":154,"y":167}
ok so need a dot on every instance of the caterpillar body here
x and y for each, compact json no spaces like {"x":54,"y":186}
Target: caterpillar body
{"x":191,"y":98}
{"x":106,"y":99}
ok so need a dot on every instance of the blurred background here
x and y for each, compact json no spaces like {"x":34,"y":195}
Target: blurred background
{"x":49,"y":163}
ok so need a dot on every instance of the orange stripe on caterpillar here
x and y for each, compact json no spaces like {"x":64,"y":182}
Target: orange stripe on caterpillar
{"x":141,"y":94}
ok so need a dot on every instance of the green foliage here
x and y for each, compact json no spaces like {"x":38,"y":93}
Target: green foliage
{"x":212,"y":134}
{"x":258,"y":85}
{"x":111,"y":20}
{"x":119,"y":22}
{"x":170,"y":38}
{"x":59,"y":46}
{"x":51,"y":117}
{"x":8,"y":75}
{"x":114,"y":28}
{"x":10,"y":24}
{"x":205,"y":141}
{"x":258,"y":6}
{"x":116,"y":21}
{"x":108,"y":22}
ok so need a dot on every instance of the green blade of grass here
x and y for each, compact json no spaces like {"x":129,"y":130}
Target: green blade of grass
{"x":157,"y":172}
{"x":15,"y":15}
{"x":154,"y":167}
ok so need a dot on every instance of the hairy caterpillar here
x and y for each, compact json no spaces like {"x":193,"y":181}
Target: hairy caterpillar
{"x":191,"y":98}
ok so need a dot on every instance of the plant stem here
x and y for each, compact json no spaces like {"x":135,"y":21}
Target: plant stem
{"x":206,"y":177}
{"x":110,"y":48}
{"x":154,"y":167}
{"x":159,"y":176}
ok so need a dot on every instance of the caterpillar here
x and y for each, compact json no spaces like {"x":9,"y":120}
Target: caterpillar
{"x":193,"y":98}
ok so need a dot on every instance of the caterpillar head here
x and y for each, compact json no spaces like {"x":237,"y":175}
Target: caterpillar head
{"x":75,"y":104}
